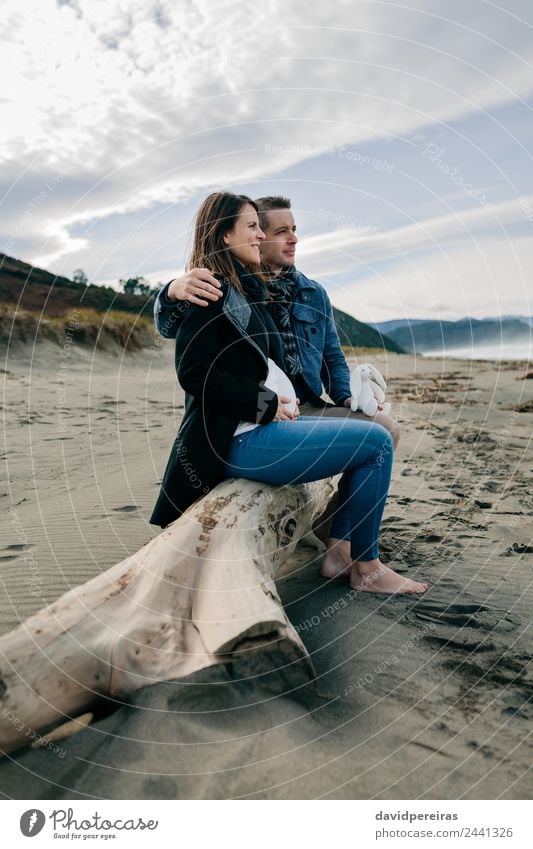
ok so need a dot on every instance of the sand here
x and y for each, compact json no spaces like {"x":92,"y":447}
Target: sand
{"x":424,"y":698}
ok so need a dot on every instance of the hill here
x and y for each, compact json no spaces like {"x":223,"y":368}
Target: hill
{"x":36,"y":304}
{"x":31,"y":288}
{"x":356,"y":334}
{"x":387,"y":326}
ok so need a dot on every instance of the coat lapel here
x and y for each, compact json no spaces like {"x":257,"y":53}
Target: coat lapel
{"x":238,"y":311}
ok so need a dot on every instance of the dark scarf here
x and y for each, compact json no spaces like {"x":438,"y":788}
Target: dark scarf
{"x":282,"y":291}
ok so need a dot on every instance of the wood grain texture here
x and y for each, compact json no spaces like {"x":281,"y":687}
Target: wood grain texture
{"x":200,"y":593}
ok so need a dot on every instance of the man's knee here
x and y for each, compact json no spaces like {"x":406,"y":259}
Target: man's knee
{"x":395,"y":432}
{"x":392,"y":425}
{"x":380,"y":443}
{"x":385,"y":439}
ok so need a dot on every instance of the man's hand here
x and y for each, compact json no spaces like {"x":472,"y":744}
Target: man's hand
{"x":348,"y":403}
{"x":283,"y":414}
{"x":194,"y":286}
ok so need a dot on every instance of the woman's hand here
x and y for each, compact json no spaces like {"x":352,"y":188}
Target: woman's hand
{"x":283,"y":414}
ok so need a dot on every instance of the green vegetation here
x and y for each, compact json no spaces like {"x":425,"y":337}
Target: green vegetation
{"x":138,"y":286}
{"x":353,"y":333}
{"x":36,"y":289}
{"x":80,"y":278}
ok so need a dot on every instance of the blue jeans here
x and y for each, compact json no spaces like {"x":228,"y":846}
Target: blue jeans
{"x":312,"y":448}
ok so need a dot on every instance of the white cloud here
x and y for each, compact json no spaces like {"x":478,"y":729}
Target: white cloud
{"x":332,"y":253}
{"x":482,"y":277}
{"x":148,"y":102}
{"x":478,"y":262}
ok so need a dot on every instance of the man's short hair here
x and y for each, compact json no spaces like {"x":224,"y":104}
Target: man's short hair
{"x":267,"y":204}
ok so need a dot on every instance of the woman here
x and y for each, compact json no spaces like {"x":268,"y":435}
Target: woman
{"x":241,"y":417}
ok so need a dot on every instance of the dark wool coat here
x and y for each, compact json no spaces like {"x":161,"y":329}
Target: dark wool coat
{"x":221,"y":363}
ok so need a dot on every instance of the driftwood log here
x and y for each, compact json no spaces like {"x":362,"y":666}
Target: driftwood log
{"x":201,"y":592}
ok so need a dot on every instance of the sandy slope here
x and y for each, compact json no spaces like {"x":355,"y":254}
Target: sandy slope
{"x":416,"y":698}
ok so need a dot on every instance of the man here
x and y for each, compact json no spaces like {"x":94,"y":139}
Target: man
{"x":302,"y":311}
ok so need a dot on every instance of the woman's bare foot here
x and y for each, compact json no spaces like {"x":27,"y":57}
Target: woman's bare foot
{"x":374,"y":577}
{"x":337,"y":561}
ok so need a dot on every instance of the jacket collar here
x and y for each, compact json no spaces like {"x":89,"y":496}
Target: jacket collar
{"x":236,"y":308}
{"x":301,"y":281}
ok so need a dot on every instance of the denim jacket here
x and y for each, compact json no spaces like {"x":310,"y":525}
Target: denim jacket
{"x":323,"y":362}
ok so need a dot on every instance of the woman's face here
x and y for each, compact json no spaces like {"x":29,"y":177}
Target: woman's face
{"x":246,"y":236}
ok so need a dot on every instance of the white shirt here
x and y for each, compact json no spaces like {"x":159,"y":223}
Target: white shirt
{"x":278,"y":381}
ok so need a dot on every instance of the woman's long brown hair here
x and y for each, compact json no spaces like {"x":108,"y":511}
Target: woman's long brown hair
{"x":216,"y":217}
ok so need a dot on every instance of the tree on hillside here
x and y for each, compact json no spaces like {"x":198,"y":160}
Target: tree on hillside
{"x":80,"y":277}
{"x":136,"y":286}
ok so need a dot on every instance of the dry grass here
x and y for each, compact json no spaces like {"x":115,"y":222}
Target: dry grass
{"x":105,"y":331}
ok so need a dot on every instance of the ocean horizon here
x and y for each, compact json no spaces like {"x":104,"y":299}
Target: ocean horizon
{"x":501,"y":351}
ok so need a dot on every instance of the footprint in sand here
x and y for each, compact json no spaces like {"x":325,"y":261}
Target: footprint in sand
{"x":519,"y":704}
{"x":463,"y":643}
{"x":518,"y":548}
{"x":492,"y":486}
{"x":495,"y":673}
{"x":390,"y":521}
{"x":465,"y":614}
{"x":429,"y":537}
{"x":473,"y":437}
{"x":14,"y":547}
{"x":503,"y":670}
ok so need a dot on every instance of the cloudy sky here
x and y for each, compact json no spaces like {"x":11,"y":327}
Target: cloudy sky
{"x":402,"y":132}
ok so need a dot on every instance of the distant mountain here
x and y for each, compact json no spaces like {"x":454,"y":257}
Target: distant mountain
{"x":393,"y":324}
{"x":527,"y":319}
{"x":420,"y":336}
{"x":387,"y":326}
{"x":355,"y":333}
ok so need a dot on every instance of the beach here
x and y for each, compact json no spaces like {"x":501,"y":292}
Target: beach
{"x":415,"y":698}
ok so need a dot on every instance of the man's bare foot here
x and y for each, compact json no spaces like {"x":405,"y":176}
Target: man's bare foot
{"x":337,"y":561}
{"x":374,"y":577}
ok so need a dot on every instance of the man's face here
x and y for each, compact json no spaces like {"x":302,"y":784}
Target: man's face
{"x":279,"y":248}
